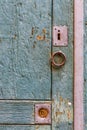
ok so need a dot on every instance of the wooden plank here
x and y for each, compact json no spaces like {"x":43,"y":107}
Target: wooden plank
{"x":36,"y":127}
{"x":17,"y":112}
{"x":85,"y":11}
{"x":85,"y":65}
{"x":30,"y":41}
{"x":85,"y":79}
{"x":62,"y":84}
{"x":78,"y":65}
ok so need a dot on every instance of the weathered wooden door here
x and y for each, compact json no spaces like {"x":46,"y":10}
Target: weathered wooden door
{"x":27,"y":77}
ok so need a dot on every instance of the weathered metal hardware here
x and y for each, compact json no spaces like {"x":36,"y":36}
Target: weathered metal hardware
{"x":58,"y":59}
{"x":43,"y":114}
{"x":60,"y":36}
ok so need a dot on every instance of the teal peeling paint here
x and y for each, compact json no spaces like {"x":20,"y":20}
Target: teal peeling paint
{"x":24,"y":60}
{"x":63,"y":77}
{"x":25,"y":71}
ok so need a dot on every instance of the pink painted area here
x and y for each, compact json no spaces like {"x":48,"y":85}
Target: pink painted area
{"x":78,"y":65}
{"x":62,"y":30}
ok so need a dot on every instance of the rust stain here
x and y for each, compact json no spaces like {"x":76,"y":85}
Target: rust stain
{"x":44,"y":31}
{"x":40,"y":38}
{"x":32,"y":32}
{"x":43,"y":112}
{"x":15,"y":36}
{"x":62,"y":110}
{"x":69,"y":115}
{"x":37,"y":127}
{"x":61,"y":99}
{"x":58,"y":113}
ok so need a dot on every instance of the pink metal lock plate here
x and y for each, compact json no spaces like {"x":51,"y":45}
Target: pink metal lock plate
{"x":60,"y":36}
{"x":42,"y":114}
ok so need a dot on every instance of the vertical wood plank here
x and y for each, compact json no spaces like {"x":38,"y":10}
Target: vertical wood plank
{"x":85,"y":65}
{"x":85,"y":72}
{"x":62,"y":84}
{"x":78,"y":65}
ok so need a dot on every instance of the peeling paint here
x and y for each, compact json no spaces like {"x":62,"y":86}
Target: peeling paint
{"x":62,"y":110}
{"x":32,"y":32}
{"x":40,"y":38}
{"x":44,"y":31}
{"x":0,"y":40}
{"x":33,"y":46}
{"x":15,"y":36}
{"x":37,"y":127}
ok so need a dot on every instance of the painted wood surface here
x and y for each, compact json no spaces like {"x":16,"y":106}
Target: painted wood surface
{"x":24,"y":127}
{"x":78,"y":64}
{"x":18,"y":112}
{"x":85,"y":80}
{"x":62,"y":84}
{"x":25,"y":46}
{"x":85,"y":66}
{"x":25,"y":72}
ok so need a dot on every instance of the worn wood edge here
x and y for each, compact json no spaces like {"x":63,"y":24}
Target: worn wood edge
{"x":78,"y":65}
{"x":25,"y":127}
{"x":25,"y":101}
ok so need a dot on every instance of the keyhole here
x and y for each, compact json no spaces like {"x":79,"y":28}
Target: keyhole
{"x":58,"y":34}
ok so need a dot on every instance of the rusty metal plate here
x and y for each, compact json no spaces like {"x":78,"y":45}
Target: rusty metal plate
{"x":42,"y":113}
{"x":60,"y":36}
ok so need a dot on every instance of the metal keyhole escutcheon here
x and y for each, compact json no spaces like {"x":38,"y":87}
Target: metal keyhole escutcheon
{"x":58,"y":59}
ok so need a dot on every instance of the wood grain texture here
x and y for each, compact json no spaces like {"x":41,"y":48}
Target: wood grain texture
{"x":25,"y":49}
{"x":18,"y":112}
{"x":63,"y":77}
{"x":25,"y":46}
{"x":36,"y":127}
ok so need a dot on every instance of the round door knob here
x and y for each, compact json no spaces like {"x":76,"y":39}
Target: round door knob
{"x":58,"y":59}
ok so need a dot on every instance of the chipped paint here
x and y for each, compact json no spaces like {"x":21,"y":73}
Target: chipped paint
{"x":15,"y":36}
{"x":32,"y":32}
{"x":40,"y":38}
{"x":33,"y":46}
{"x":0,"y":40}
{"x":62,"y":110}
{"x":44,"y":31}
{"x":37,"y":127}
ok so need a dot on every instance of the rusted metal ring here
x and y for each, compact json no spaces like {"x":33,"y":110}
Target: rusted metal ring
{"x":58,"y":54}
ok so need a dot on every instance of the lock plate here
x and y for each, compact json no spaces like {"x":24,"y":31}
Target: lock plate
{"x":42,"y":114}
{"x":60,"y":36}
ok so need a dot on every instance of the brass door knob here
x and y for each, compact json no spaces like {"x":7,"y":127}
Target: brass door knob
{"x":58,"y":59}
